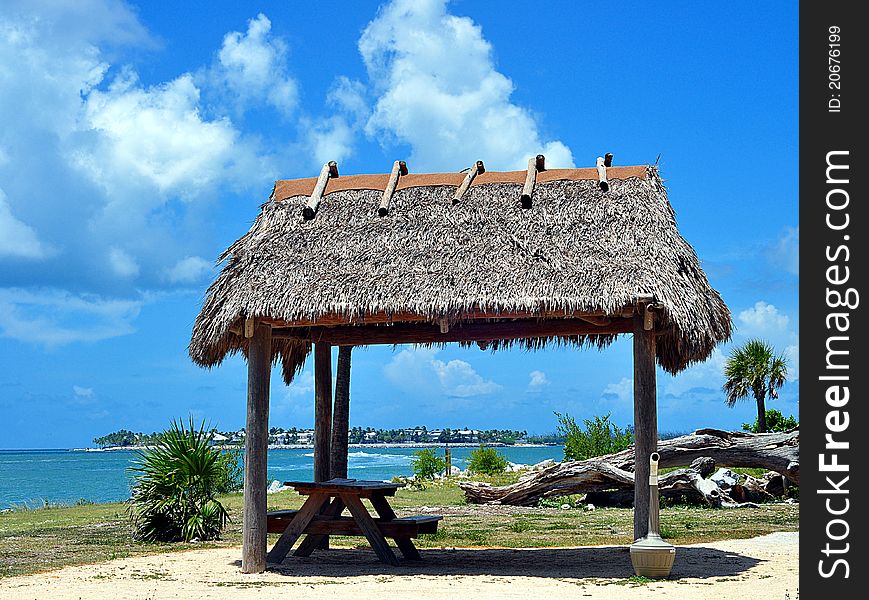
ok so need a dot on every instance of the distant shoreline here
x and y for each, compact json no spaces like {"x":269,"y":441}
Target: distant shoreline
{"x":311,"y":446}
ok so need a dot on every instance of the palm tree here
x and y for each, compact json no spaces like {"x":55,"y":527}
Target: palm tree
{"x":341,"y":414}
{"x":754,"y":369}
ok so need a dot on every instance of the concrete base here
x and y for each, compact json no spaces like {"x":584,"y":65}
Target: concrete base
{"x":652,"y":556}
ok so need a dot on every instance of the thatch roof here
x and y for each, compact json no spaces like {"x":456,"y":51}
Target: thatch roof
{"x":576,"y":249}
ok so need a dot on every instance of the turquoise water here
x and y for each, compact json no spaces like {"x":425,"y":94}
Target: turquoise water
{"x":29,"y":477}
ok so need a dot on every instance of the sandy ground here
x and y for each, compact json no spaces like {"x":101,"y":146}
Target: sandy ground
{"x":760,"y":567}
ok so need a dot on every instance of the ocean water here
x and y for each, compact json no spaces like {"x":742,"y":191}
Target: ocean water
{"x":31,"y":477}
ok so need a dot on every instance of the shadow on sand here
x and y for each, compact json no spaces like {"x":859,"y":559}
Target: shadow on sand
{"x":601,"y":562}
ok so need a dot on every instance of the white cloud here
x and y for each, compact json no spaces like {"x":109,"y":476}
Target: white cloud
{"x":329,"y":139}
{"x":122,"y":263}
{"x":620,"y":392}
{"x":83,"y":392}
{"x":762,"y":319}
{"x":188,"y":270}
{"x":253,"y":67}
{"x":16,"y":238}
{"x":348,"y":96}
{"x":458,"y":378}
{"x":54,"y":317}
{"x":419,"y":370}
{"x":438,"y":91}
{"x":537,"y":380}
{"x":157,"y":135}
{"x":302,"y":385}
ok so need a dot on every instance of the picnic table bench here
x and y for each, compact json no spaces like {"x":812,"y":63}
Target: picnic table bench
{"x":321,"y":516}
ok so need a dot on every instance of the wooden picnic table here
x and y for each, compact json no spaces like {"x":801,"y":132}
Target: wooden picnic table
{"x":321,"y":515}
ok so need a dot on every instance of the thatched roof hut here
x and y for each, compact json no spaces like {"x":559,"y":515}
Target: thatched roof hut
{"x":577,"y":249}
{"x":572,"y":256}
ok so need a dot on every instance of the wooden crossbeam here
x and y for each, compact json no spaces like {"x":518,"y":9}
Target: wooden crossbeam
{"x":421,"y":333}
{"x":381,"y":317}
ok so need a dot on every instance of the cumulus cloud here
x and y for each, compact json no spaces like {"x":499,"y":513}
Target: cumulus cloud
{"x":122,"y":263}
{"x":252,"y":66}
{"x":620,"y":392}
{"x":439,"y":92}
{"x":54,"y":317}
{"x":16,"y":238}
{"x":119,"y":166}
{"x":189,"y":269}
{"x":418,"y":369}
{"x":156,"y":134}
{"x":537,"y":380}
{"x":763,"y":319}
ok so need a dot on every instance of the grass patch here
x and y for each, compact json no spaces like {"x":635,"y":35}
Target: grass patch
{"x":50,"y":538}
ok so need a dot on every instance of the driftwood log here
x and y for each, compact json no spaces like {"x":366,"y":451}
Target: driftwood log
{"x":777,"y":452}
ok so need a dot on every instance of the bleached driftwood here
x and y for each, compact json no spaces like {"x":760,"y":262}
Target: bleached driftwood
{"x":777,"y":452}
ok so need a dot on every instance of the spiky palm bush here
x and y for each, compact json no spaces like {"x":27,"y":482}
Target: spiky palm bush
{"x":754,"y":369}
{"x":174,"y":487}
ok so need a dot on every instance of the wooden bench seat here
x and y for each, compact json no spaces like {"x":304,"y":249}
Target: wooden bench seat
{"x":399,"y":527}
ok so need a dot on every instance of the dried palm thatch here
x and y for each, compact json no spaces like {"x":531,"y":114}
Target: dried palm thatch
{"x":576,"y":249}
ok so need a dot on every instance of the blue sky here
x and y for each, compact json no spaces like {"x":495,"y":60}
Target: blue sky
{"x":138,"y":141}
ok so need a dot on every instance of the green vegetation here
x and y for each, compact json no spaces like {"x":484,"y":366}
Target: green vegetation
{"x":174,"y":487}
{"x":775,"y":421}
{"x":754,"y":369}
{"x":230,"y":471}
{"x":426,"y":464}
{"x":487,"y":461}
{"x":51,"y":538}
{"x":125,"y":437}
{"x":599,"y":438}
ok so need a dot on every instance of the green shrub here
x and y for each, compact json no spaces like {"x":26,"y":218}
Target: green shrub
{"x":487,"y":461}
{"x":775,"y":421}
{"x":600,"y":437}
{"x":174,"y":487}
{"x":426,"y":464}
{"x":231,"y":473}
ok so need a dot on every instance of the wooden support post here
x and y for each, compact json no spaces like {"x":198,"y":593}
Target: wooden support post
{"x":256,"y":447}
{"x":341,"y":414}
{"x":399,"y":168}
{"x":645,"y":419}
{"x":448,"y":462}
{"x":322,"y":409}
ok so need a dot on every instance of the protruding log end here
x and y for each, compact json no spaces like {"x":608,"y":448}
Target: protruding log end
{"x":526,"y":201}
{"x":402,"y":167}
{"x":540,"y":162}
{"x":333,"y":169}
{"x":308,"y":213}
{"x":608,"y":159}
{"x":481,"y":168}
{"x":382,"y":211}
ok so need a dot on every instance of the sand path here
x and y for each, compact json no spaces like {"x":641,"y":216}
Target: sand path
{"x":728,"y":569}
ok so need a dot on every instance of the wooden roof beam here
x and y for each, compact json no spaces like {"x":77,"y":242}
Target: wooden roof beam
{"x":470,"y":315}
{"x":476,"y":169}
{"x":399,"y":168}
{"x":423,"y":333}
